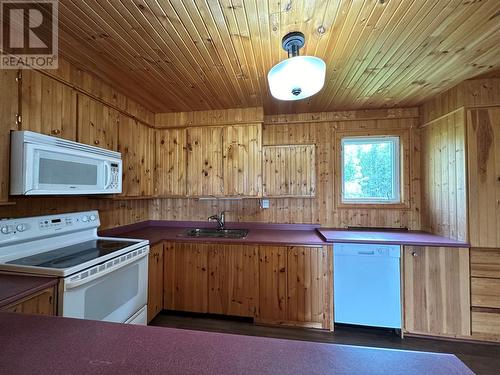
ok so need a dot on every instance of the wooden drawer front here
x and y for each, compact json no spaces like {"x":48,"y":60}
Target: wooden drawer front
{"x":486,"y":325}
{"x":485,"y":262}
{"x":485,"y":292}
{"x":41,"y":303}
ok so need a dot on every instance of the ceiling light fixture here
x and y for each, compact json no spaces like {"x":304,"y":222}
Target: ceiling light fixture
{"x":297,"y":77}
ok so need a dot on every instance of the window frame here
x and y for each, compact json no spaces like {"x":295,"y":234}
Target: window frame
{"x":397,"y":183}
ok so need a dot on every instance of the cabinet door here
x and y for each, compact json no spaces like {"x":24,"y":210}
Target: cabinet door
{"x":483,"y":133}
{"x":185,"y":277}
{"x":8,"y":112}
{"x":289,"y":171}
{"x":309,"y":286}
{"x":97,"y":123}
{"x":272,"y":284}
{"x":170,"y":170}
{"x":204,"y":161}
{"x":136,"y":143}
{"x":48,"y":106}
{"x":155,"y":281}
{"x":41,"y":303}
{"x":437,"y":291}
{"x":233,"y":280}
{"x":242,"y":146}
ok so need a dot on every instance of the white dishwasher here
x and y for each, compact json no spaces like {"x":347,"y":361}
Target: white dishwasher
{"x":367,"y":284}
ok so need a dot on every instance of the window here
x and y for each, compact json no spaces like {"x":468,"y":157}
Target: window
{"x":371,"y":170}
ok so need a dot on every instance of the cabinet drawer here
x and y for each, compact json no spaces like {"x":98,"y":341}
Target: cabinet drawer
{"x":485,"y":292}
{"x":485,"y":263}
{"x":486,"y":325}
{"x":42,"y":303}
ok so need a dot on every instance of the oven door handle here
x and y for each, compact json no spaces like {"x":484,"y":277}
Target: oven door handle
{"x":71,"y":285}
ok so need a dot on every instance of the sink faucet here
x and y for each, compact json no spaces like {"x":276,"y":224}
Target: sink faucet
{"x":219,"y":218}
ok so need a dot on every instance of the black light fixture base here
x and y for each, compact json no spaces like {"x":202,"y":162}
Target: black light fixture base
{"x":292,"y":42}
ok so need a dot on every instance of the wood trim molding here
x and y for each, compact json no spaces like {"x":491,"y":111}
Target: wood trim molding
{"x":231,"y":116}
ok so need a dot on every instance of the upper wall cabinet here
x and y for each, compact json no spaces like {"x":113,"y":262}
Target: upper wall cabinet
{"x":204,"y":161}
{"x":171,"y":159}
{"x":483,"y":131}
{"x":48,"y":106}
{"x":97,"y":123}
{"x":136,"y":144}
{"x":289,"y":171}
{"x":242,"y":160}
{"x":8,"y":112}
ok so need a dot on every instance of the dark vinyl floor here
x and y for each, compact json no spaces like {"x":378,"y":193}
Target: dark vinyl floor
{"x":481,"y":358}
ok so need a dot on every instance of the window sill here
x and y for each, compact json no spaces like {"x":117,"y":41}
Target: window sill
{"x":366,"y":205}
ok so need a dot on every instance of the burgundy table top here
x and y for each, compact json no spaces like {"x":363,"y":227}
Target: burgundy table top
{"x":55,"y":345}
{"x":414,"y":238}
{"x":157,"y":231}
{"x":15,"y":287}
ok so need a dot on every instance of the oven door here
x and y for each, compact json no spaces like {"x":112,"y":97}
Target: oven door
{"x":116,"y":294}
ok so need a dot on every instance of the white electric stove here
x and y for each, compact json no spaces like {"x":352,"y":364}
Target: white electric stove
{"x":101,"y":278}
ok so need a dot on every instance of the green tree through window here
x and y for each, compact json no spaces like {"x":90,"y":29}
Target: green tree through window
{"x":370,"y":169}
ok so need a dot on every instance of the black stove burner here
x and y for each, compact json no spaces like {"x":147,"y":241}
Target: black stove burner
{"x":69,"y":256}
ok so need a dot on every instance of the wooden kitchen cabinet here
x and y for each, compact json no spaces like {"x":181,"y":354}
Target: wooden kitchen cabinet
{"x":485,"y":293}
{"x":289,"y":171}
{"x":155,"y":280}
{"x":136,"y":144}
{"x":296,"y":286}
{"x":242,"y":174}
{"x":171,"y":162}
{"x":185,"y":277}
{"x":437,"y":291}
{"x":48,"y":106}
{"x":97,"y":123}
{"x":233,"y":277}
{"x":483,"y":146}
{"x":41,"y":303}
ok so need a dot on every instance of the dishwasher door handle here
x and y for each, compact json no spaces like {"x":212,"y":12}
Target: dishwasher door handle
{"x":366,"y":252}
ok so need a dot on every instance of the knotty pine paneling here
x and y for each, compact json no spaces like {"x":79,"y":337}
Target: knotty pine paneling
{"x":321,"y":209}
{"x":47,"y":106}
{"x":97,"y":123}
{"x":50,"y":104}
{"x":242,"y":160}
{"x":483,"y":132}
{"x":8,"y":111}
{"x":289,"y":171}
{"x":211,"y":117}
{"x":196,"y":55}
{"x":171,"y":162}
{"x":112,"y":213}
{"x":444,"y":176}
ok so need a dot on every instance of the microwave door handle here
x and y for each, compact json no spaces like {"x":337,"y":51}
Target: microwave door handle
{"x":107,"y":167}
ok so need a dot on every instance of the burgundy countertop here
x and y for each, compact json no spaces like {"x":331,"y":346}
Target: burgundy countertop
{"x":273,"y":234}
{"x":413,"y":238}
{"x":15,"y":287}
{"x":157,"y":231}
{"x":55,"y":345}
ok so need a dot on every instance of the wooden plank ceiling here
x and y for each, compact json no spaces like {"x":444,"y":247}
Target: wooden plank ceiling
{"x":183,"y":55}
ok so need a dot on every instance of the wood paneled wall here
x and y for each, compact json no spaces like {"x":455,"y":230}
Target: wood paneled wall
{"x":444,"y":178}
{"x":318,"y":129}
{"x":49,"y":105}
{"x":446,"y":208}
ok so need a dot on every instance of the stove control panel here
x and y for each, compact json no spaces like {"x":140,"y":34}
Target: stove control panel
{"x":12,"y":230}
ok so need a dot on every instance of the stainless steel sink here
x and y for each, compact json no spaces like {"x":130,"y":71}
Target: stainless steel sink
{"x":216,"y":233}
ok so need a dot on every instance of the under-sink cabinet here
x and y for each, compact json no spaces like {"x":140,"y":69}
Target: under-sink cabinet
{"x":287,"y":285}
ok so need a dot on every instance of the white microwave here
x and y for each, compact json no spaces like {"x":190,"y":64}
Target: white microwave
{"x":44,"y":165}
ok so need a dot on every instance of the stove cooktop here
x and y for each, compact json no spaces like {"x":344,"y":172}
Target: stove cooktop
{"x":70,"y":256}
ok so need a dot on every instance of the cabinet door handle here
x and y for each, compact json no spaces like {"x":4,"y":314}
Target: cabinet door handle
{"x":414,"y":254}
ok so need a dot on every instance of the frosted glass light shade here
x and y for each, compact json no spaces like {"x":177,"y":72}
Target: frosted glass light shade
{"x":297,"y":77}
